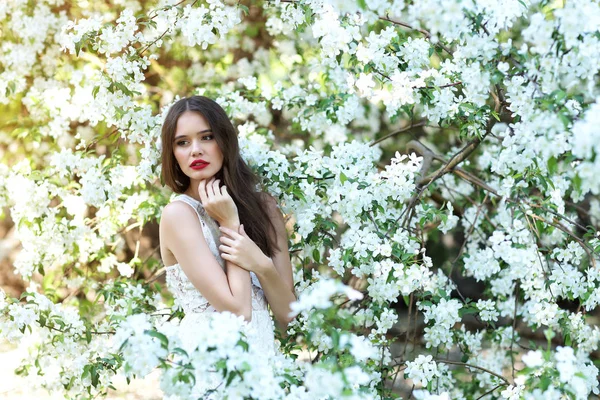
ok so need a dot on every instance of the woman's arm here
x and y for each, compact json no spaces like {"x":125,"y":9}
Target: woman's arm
{"x":275,"y":275}
{"x":182,"y":233}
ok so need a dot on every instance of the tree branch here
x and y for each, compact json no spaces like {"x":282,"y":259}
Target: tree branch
{"x":476,"y":367}
{"x":426,"y":33}
{"x":454,"y":161}
{"x":406,"y":128}
{"x":428,"y":155}
{"x":514,"y":327}
{"x":490,"y":391}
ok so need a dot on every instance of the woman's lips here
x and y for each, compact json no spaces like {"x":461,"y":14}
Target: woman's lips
{"x":199,"y":166}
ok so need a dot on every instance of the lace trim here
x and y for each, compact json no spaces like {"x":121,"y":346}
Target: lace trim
{"x":185,"y":294}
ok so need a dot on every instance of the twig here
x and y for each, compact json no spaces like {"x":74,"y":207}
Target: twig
{"x":160,"y":272}
{"x":410,"y":306}
{"x":98,"y":139}
{"x":167,"y":30}
{"x":563,"y":228}
{"x":428,"y":155}
{"x":514,"y":327}
{"x":446,"y":85}
{"x":474,"y":180}
{"x":490,"y":391}
{"x":373,"y":221}
{"x":92,"y":332}
{"x":407,"y":128}
{"x":153,"y":42}
{"x":476,"y":367}
{"x":565,"y":218}
{"x":469,"y":233}
{"x":453,"y":162}
{"x":474,"y":204}
{"x":426,"y":33}
{"x":165,"y":8}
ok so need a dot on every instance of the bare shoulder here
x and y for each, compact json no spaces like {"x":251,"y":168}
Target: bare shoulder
{"x":178,"y":223}
{"x":177,"y":212}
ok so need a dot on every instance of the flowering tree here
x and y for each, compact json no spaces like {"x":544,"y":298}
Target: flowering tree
{"x":418,"y":148}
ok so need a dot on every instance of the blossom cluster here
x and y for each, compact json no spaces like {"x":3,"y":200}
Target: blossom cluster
{"x":419,"y":150}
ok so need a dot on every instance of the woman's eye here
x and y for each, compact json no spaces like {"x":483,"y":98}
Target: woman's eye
{"x":182,"y":143}
{"x":208,"y":137}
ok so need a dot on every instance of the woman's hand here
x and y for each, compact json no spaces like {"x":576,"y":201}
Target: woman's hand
{"x":218,"y":203}
{"x":242,"y":251}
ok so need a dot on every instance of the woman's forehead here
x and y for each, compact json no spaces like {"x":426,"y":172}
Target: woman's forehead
{"x":191,"y":122}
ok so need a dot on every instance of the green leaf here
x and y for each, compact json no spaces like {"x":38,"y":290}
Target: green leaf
{"x":243,"y":345}
{"x":244,"y":9}
{"x":86,"y":372}
{"x":316,"y":255}
{"x":577,"y":182}
{"x":343,"y":178}
{"x":20,"y":132}
{"x":552,"y":165}
{"x":94,"y":374}
{"x":467,"y":310}
{"x":162,"y":338}
{"x":335,"y":338}
{"x":230,"y":377}
{"x":559,"y":95}
{"x":70,"y":384}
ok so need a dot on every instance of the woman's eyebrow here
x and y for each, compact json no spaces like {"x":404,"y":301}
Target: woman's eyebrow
{"x":199,"y":132}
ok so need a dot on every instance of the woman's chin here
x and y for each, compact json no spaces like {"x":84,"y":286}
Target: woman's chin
{"x":201,"y":175}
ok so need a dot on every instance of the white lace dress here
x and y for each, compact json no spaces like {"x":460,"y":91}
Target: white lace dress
{"x":197,"y":309}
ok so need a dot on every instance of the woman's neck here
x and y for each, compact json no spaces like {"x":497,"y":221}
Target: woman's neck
{"x":192,"y":191}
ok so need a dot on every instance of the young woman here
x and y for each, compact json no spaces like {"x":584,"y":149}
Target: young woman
{"x":224,"y":243}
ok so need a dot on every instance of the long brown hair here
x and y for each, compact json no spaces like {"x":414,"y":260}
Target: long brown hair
{"x":235,"y":174}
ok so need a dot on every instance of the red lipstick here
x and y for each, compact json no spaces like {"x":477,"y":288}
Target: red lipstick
{"x":199,"y":164}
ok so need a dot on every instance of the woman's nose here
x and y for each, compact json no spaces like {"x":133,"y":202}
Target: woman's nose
{"x":196,"y":147}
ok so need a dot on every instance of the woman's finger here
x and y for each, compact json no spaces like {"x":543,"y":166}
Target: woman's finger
{"x":202,"y":191}
{"x":230,"y":232}
{"x":224,"y":191}
{"x":226,"y":230}
{"x":215,"y":187}
{"x":227,"y":241}
{"x":227,"y":257}
{"x":209,"y":188}
{"x":225,"y":249}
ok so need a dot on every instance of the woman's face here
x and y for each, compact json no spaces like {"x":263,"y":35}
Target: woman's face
{"x":195,"y":147}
